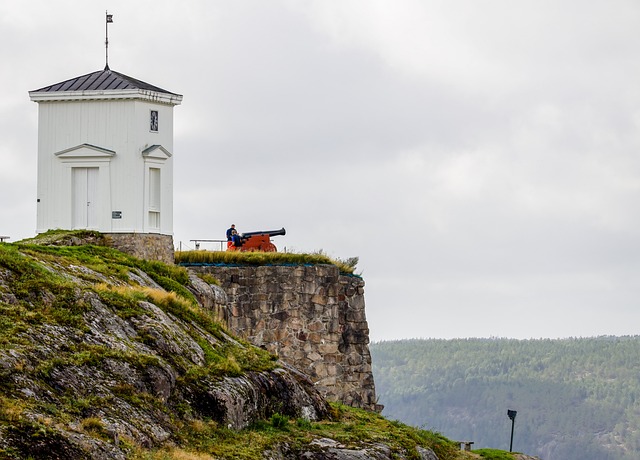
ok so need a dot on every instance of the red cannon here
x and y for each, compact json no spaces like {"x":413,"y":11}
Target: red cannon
{"x":256,"y":241}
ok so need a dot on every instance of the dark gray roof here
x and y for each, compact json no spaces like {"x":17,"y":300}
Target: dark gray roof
{"x":101,"y":80}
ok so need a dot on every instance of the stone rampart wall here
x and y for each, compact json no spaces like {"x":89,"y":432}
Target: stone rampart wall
{"x":149,"y":246}
{"x":312,"y":317}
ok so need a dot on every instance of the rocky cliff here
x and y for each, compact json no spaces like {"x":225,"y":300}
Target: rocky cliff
{"x":104,"y":356}
{"x":98,"y":357}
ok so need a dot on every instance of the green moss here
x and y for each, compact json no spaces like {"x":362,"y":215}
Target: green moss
{"x":126,"y":303}
{"x":41,"y":294}
{"x":29,"y":278}
{"x":94,"y":355}
{"x":95,"y":427}
{"x":134,"y":397}
{"x":64,"y":237}
{"x":229,"y":360}
{"x":15,"y":319}
{"x":494,"y":454}
{"x":279,"y":421}
{"x":74,"y":405}
{"x":160,"y":269}
{"x":103,"y":260}
{"x":209,"y":279}
{"x":353,"y":428}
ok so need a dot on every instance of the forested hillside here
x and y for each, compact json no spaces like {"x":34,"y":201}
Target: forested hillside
{"x":577,"y":399}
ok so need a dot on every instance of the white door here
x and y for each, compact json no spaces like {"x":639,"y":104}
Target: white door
{"x":154,"y":199}
{"x":85,"y":197}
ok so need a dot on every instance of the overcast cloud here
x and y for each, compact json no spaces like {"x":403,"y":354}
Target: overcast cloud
{"x":481,"y":158}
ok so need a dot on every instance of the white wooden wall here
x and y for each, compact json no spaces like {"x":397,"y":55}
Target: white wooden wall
{"x":120,"y":131}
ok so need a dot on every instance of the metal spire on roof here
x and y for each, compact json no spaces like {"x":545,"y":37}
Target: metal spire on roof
{"x":109,"y":18}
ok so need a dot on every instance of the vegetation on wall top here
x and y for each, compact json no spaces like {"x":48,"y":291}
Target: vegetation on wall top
{"x":263,"y":258}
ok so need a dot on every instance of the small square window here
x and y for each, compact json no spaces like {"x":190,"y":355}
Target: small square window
{"x":153,"y":126}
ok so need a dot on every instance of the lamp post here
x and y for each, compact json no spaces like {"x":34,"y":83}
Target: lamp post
{"x":512,"y":415}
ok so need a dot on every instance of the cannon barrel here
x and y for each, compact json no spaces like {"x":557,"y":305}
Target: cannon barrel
{"x":282,"y":231}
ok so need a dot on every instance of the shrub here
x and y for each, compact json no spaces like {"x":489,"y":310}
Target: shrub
{"x":494,"y":454}
{"x":279,"y":421}
{"x":303,"y":423}
{"x":93,"y":425}
{"x":207,"y":278}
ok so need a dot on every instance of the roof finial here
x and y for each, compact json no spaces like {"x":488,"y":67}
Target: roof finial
{"x":109,"y":18}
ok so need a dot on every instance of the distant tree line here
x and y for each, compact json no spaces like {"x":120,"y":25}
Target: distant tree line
{"x":577,"y":399}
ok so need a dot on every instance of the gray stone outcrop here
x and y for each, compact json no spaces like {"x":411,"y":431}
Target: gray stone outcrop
{"x":329,"y":449}
{"x":126,"y":373}
{"x":210,"y":296}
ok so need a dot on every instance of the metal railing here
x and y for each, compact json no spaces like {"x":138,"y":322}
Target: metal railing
{"x":198,"y":242}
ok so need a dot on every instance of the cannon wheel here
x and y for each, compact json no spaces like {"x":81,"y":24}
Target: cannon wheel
{"x":268,"y":247}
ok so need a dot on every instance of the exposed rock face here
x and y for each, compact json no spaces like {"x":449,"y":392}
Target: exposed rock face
{"x":210,"y":296}
{"x":311,"y":317}
{"x":124,"y":371}
{"x":329,"y":449}
{"x":238,"y":401}
{"x":97,"y":361}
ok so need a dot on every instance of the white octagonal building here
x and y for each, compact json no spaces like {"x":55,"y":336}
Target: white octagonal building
{"x":105,"y":155}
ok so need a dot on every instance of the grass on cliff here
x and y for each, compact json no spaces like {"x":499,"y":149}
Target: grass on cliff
{"x":32,"y":285}
{"x":95,"y":260}
{"x":350,"y":427}
{"x":263,"y":258}
{"x":494,"y":454}
{"x":44,"y":293}
{"x":44,"y":286}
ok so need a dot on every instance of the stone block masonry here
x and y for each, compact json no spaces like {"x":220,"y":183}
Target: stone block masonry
{"x":149,"y":246}
{"x":312,"y":317}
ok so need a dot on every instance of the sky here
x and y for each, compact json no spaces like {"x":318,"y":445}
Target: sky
{"x":482,"y":159}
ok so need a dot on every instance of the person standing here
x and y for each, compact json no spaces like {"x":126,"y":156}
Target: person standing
{"x":230,"y":232}
{"x":233,"y":239}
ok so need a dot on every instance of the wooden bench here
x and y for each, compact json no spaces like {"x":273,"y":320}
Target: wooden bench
{"x":465,"y":445}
